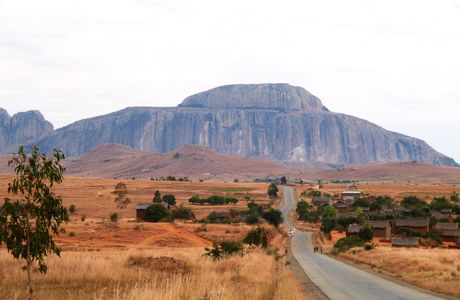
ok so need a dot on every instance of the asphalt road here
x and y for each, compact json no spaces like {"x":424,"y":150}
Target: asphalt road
{"x":336,"y":279}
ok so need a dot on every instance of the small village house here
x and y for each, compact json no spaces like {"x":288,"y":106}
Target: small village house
{"x":449,"y":231}
{"x":140,"y":211}
{"x":382,"y":229}
{"x":353,"y":229}
{"x":350,"y":196}
{"x":321,"y":200}
{"x":341,"y":206}
{"x":405,"y":242}
{"x":415,"y":225}
{"x":224,"y":215}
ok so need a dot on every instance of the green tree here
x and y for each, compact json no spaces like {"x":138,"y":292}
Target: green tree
{"x":329,"y":219}
{"x":28,"y":224}
{"x":156,"y":212}
{"x":114,"y":218}
{"x":170,"y":200}
{"x":273,"y":216}
{"x":366,"y":233}
{"x":194,"y":199}
{"x":258,"y":237}
{"x":157,"y":197}
{"x":121,"y":195}
{"x":283,"y":180}
{"x":182,"y":213}
{"x":272,"y":190}
{"x":454,"y":197}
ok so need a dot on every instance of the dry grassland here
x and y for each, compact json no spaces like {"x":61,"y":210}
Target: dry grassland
{"x":433,"y":269}
{"x":153,"y":274}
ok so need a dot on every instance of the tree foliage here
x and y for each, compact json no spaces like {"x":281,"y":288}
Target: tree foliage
{"x":257,"y":237}
{"x":121,"y":195}
{"x":170,"y":200}
{"x":28,"y":224}
{"x":156,"y":212}
{"x":272,"y":190}
{"x":273,"y":216}
{"x":157,"y":197}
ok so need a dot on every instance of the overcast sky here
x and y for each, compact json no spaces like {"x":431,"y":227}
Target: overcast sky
{"x":394,"y":62}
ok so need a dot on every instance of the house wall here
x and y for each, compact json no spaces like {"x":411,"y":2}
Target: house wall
{"x":140,"y":214}
{"x":384,"y":233}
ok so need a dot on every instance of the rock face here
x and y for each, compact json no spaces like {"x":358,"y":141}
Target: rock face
{"x":280,"y":97}
{"x":271,"y":120}
{"x":22,"y":128}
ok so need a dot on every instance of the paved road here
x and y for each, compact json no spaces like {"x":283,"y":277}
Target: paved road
{"x":337,"y":280}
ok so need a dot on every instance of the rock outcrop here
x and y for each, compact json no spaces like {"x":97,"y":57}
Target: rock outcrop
{"x":278,"y":121}
{"x":22,"y":128}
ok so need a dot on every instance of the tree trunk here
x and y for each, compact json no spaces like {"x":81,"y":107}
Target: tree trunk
{"x":29,"y":279}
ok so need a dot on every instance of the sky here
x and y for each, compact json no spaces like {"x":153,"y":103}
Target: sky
{"x":395,"y":63}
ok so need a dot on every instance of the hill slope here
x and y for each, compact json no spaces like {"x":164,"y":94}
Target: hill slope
{"x":191,"y":161}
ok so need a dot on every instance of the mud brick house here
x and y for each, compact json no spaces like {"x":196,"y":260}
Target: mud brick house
{"x":350,"y":196}
{"x":354,"y":229}
{"x":341,"y":206}
{"x":140,"y":211}
{"x":405,"y":242}
{"x":382,"y":229}
{"x":321,"y":201}
{"x":449,"y":231}
{"x":415,"y":225}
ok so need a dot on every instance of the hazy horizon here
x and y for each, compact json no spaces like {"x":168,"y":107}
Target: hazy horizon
{"x":392,"y":63}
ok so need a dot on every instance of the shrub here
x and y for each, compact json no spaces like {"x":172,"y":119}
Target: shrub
{"x":71,"y":234}
{"x":255,"y":208}
{"x":219,"y":250}
{"x":252,"y":219}
{"x":156,"y":212}
{"x":369,"y":247}
{"x":272,"y":190}
{"x":83,"y":218}
{"x":194,"y":199}
{"x":366,"y":233}
{"x":157,"y":197}
{"x":72,"y":208}
{"x":345,"y":244}
{"x":114,"y":217}
{"x":273,"y":216}
{"x":257,"y":237}
{"x":182,"y":213}
{"x":170,"y":200}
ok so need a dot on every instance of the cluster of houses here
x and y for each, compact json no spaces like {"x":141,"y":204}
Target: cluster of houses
{"x":449,"y":231}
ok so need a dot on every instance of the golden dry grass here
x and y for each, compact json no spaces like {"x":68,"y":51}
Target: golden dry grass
{"x":93,"y":199}
{"x":109,"y":275}
{"x":433,"y":269}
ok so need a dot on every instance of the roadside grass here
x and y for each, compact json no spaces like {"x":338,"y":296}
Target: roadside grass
{"x":165,"y":273}
{"x":437,"y":270}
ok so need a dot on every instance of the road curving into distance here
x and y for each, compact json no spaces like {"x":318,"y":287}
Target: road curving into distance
{"x":337,"y":280}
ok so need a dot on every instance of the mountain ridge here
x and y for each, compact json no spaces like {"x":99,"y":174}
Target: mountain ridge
{"x":279,"y":121}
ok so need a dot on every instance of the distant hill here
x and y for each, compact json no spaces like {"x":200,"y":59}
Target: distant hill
{"x":191,"y":161}
{"x":279,"y":121}
{"x":390,"y":172}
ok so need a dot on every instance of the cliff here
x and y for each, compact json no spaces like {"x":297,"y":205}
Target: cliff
{"x":279,"y":121}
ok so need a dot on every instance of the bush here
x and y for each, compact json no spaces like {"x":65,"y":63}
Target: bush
{"x":345,"y":244}
{"x":71,"y":234}
{"x":170,"y":200}
{"x":255,"y":208}
{"x":182,"y":213}
{"x":114,"y":217}
{"x":219,"y":250}
{"x":273,"y":216}
{"x":83,"y":218}
{"x":272,"y":190}
{"x":252,"y":219}
{"x":366,"y":233}
{"x":156,"y":212}
{"x":369,"y":247}
{"x":72,"y":208}
{"x":257,"y":237}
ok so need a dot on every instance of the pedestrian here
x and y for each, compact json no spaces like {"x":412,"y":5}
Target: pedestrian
{"x":321,"y":250}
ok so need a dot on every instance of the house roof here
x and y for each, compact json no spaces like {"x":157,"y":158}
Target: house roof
{"x":412,"y":223}
{"x":446,"y":226}
{"x":223,"y":214}
{"x":438,"y":215}
{"x":321,"y":199}
{"x":454,"y":233}
{"x":143,"y":205}
{"x":446,"y":211}
{"x":354,"y":228}
{"x":378,"y":224}
{"x":351,"y":193}
{"x":406,"y":241}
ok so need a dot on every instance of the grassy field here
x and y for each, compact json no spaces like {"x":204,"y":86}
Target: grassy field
{"x":165,"y":273}
{"x":433,"y":269}
{"x":135,"y":260}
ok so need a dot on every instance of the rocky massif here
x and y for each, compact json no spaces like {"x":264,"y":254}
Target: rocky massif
{"x":277,"y":121}
{"x":22,"y":128}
